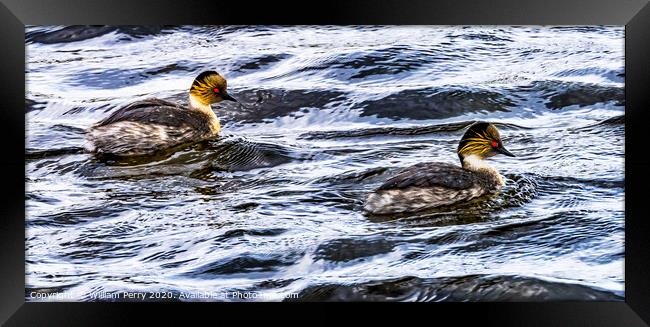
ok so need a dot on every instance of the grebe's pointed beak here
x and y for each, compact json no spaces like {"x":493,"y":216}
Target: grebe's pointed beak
{"x":227,"y":96}
{"x":503,"y":150}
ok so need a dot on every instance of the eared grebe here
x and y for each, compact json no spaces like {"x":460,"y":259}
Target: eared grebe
{"x":147,"y":126}
{"x":433,"y":184}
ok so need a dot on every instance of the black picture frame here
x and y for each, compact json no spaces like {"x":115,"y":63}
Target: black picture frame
{"x":635,"y":15}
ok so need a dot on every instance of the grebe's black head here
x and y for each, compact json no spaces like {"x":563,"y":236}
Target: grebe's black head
{"x":210,"y":87}
{"x":482,"y":140}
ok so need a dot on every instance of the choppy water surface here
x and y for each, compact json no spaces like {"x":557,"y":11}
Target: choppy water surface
{"x":274,"y":206}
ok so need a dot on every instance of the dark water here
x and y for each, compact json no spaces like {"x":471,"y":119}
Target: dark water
{"x":274,"y":205}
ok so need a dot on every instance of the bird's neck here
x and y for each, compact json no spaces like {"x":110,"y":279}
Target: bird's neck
{"x":197,"y":105}
{"x":478,"y":165}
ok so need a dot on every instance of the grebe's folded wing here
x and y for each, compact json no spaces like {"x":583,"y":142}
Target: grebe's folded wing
{"x":155,"y":111}
{"x":431,"y":174}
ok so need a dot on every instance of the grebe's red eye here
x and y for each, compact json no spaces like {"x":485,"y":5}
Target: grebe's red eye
{"x":216,"y":90}
{"x":494,"y":144}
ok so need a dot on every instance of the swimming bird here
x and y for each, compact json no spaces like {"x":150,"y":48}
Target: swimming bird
{"x":147,"y":126}
{"x":434,"y":184}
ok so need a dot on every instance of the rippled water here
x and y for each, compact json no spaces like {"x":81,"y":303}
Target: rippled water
{"x":274,"y":205}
